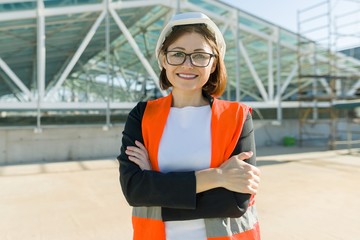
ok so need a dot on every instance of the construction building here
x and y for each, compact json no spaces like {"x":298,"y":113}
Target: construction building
{"x":70,"y":66}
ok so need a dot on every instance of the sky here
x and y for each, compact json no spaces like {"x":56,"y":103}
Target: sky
{"x":284,"y":14}
{"x":280,"y":12}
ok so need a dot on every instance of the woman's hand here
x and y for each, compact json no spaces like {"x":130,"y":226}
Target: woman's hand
{"x":139,"y":155}
{"x":239,"y":176}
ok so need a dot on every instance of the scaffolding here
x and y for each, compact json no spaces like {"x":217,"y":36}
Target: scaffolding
{"x":351,"y":110}
{"x":323,"y":81}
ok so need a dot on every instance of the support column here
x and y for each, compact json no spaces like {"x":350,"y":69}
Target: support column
{"x":278,"y":75}
{"x":40,"y":60}
{"x":237,"y":69}
{"x":107,"y":49}
{"x":178,"y":7}
{"x":270,"y":71}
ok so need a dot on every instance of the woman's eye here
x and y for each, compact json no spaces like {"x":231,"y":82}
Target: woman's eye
{"x":199,"y":56}
{"x":178,"y":54}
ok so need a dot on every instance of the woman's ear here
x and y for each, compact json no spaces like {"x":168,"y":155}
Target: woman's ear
{"x":213,"y":66}
{"x":163,"y":60}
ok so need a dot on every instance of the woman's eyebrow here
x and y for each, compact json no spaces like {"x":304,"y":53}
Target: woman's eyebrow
{"x":199,"y":50}
{"x":195,"y":50}
{"x":178,"y":48}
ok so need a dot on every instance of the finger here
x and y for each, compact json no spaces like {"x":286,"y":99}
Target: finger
{"x":256,"y":179}
{"x":132,"y":152}
{"x":137,"y":151}
{"x":253,"y":177}
{"x":245,"y":155}
{"x":135,"y":160}
{"x":247,"y":176}
{"x":256,"y":171}
{"x":253,"y":187}
{"x":252,"y":191}
{"x":140,"y":145}
{"x":138,"y":157}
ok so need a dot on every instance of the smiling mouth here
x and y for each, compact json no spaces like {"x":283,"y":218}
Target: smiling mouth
{"x":187,"y":76}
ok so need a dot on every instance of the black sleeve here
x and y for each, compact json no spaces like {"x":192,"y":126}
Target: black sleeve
{"x":220,"y":202}
{"x":151,"y":188}
{"x":247,"y":143}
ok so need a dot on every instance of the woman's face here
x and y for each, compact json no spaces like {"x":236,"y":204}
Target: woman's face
{"x":187,"y":77}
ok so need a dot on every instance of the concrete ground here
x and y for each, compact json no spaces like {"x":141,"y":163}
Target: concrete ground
{"x":306,"y":193}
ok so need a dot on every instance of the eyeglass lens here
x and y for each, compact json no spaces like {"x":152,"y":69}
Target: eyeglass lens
{"x":198,"y":59}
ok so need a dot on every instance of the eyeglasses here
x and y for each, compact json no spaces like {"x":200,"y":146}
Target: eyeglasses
{"x":197,"y":59}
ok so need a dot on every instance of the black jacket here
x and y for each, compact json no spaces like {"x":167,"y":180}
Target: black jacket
{"x":175,"y":192}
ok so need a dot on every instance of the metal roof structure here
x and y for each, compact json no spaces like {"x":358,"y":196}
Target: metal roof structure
{"x":353,"y":52}
{"x":58,"y":55}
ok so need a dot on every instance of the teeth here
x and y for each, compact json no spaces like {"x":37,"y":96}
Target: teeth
{"x":187,"y":75}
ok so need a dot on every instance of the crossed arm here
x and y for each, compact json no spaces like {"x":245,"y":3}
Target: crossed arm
{"x":213,"y":192}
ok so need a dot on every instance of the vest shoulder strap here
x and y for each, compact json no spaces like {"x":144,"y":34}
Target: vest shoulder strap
{"x":227,"y":121}
{"x":153,"y":123}
{"x":226,"y":125}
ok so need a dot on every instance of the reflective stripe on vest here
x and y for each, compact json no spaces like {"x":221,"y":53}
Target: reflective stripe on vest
{"x":226,"y":125}
{"x":233,"y":228}
{"x":148,"y":224}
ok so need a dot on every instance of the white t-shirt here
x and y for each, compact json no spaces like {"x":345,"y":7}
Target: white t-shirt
{"x":186,"y":145}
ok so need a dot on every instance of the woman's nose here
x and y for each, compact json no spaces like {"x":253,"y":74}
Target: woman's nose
{"x":187,"y":62}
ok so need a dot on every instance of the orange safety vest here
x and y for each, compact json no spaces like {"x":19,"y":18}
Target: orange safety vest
{"x":226,"y":125}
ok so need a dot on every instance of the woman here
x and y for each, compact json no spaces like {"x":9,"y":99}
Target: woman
{"x":187,"y":162}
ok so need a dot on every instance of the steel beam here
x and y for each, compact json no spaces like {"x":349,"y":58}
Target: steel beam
{"x":47,"y":106}
{"x":15,"y":79}
{"x":61,"y":106}
{"x":256,"y":77}
{"x":135,"y":4}
{"x":17,"y":15}
{"x":288,"y":79}
{"x":77,"y":54}
{"x":25,"y":14}
{"x":354,"y":88}
{"x":137,"y":50}
{"x":268,"y":97}
{"x":74,"y":9}
{"x":242,"y":27}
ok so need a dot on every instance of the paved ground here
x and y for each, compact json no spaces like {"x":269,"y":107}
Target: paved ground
{"x":305,"y":194}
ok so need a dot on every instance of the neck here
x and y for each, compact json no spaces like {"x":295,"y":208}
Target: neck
{"x":182,"y":99}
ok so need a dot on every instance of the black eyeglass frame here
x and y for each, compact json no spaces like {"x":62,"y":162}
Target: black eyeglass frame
{"x":189,"y":55}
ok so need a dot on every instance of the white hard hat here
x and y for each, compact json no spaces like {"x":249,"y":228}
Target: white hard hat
{"x":186,"y":19}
